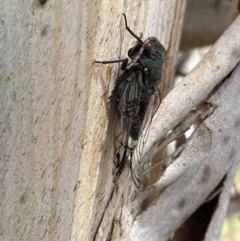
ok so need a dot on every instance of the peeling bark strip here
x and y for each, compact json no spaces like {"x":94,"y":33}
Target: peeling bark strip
{"x":195,"y":88}
{"x":202,"y":170}
{"x":136,"y":97}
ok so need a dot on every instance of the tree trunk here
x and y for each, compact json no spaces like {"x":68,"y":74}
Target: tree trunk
{"x":57,"y":130}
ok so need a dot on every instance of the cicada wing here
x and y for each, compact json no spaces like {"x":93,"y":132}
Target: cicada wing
{"x":155,"y":101}
{"x":153,"y":105}
{"x":136,"y":106}
{"x":127,"y":103}
{"x":124,"y":146}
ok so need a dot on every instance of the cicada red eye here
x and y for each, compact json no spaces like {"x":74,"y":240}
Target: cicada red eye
{"x":147,"y":46}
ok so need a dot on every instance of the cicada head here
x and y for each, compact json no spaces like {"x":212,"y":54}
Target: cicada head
{"x":152,"y":45}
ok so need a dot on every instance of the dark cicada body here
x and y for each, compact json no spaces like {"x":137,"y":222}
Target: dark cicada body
{"x":136,"y":91}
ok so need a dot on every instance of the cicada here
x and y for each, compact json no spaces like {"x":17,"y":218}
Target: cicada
{"x":137,"y":92}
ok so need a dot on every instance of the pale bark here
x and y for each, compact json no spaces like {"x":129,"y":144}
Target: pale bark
{"x":210,"y":155}
{"x":56,"y":141}
{"x":56,"y":128}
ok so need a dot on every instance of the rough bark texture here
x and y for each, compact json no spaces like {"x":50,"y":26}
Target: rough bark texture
{"x":53,"y":119}
{"x":56,"y":142}
{"x":56,"y":132}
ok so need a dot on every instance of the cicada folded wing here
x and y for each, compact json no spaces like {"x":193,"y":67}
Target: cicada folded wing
{"x":136,"y":165}
{"x":128,"y":123}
